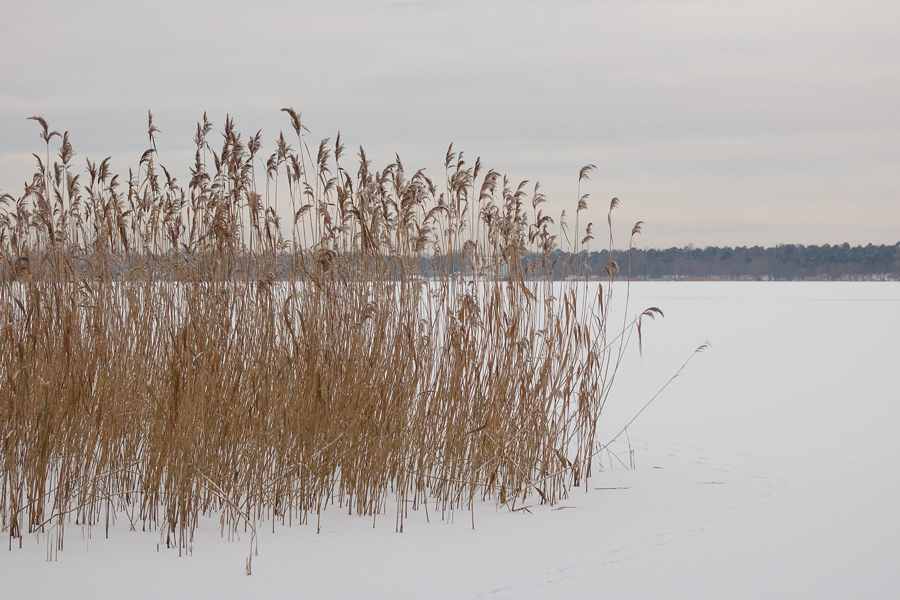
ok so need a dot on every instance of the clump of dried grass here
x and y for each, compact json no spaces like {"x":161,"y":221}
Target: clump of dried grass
{"x":173,"y":352}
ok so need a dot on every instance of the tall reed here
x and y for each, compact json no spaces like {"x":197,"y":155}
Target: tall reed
{"x":172,"y":352}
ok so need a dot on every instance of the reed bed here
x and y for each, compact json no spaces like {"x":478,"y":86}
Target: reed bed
{"x":172,"y":352}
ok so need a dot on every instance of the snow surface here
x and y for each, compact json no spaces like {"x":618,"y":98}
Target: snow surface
{"x":769,"y":469}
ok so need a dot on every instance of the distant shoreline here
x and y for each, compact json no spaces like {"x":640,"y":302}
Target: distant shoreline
{"x":779,"y":263}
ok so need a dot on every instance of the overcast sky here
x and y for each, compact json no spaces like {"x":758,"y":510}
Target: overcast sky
{"x":715,"y":122}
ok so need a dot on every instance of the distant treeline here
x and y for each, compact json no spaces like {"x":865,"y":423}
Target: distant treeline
{"x":783,"y":262}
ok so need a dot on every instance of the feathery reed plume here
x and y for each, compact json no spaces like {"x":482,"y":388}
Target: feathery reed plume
{"x":173,"y":351}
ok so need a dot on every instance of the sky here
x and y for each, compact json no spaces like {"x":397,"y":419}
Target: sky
{"x":714,"y":122}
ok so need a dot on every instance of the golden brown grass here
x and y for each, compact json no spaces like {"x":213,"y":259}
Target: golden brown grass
{"x":171,"y":353}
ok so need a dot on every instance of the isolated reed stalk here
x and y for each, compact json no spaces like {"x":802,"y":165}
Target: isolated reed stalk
{"x":171,"y":352}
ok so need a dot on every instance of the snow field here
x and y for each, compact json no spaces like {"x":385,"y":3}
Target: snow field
{"x":769,"y":469}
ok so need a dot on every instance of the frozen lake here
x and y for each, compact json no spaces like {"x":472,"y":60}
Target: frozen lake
{"x":769,"y":469}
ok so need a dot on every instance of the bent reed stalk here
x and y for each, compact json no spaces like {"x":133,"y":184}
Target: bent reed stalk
{"x":171,"y":353}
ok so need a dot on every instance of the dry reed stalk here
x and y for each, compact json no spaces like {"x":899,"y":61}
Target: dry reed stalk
{"x":172,"y":353}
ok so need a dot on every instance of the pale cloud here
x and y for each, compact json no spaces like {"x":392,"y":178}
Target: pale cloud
{"x":718,"y":122}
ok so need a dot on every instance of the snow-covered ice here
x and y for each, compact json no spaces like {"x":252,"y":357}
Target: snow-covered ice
{"x":769,"y":469}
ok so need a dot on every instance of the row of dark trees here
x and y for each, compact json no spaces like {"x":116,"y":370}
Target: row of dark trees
{"x":787,"y":262}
